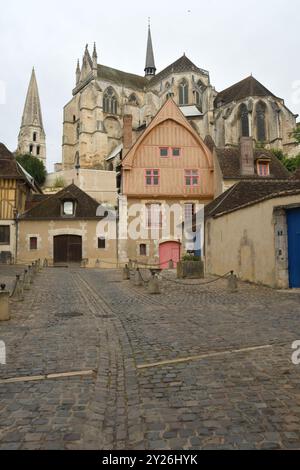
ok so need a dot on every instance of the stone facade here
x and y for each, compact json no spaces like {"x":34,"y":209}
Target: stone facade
{"x":93,"y":119}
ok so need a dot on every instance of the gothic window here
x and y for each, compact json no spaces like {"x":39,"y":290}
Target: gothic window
{"x":183,"y":93}
{"x":34,"y":137}
{"x":244,"y":120}
{"x":77,"y":131}
{"x":133,"y":99}
{"x":30,"y":149}
{"x":110,"y":102}
{"x":261,"y":121}
{"x":38,"y":150}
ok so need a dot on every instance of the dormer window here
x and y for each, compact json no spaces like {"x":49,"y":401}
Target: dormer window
{"x":263,"y":168}
{"x":68,"y":208}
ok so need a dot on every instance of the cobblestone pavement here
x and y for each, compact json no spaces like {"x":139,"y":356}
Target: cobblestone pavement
{"x":193,"y":368}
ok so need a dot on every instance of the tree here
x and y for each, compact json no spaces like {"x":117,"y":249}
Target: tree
{"x":34,"y":167}
{"x":290,"y":163}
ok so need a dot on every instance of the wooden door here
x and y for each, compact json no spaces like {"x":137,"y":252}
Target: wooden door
{"x":169,"y":251}
{"x":67,"y":249}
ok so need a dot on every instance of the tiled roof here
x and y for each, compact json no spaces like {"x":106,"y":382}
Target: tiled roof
{"x":183,"y":64}
{"x":247,"y":87}
{"x":229,"y":161}
{"x":50,"y":208}
{"x":247,"y":193}
{"x":129,"y":80}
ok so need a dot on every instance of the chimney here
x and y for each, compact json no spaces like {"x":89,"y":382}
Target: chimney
{"x":246,"y":156}
{"x":127,"y":132}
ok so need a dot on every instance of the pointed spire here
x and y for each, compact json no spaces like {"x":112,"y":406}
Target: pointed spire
{"x":78,"y":72}
{"x":32,"y":115}
{"x":150,"y":68}
{"x":95,"y":61}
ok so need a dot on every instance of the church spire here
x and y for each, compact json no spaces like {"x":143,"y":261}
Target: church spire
{"x":150,"y":68}
{"x":32,"y":139}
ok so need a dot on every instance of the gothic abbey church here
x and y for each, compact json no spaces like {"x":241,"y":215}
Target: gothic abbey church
{"x":93,"y":119}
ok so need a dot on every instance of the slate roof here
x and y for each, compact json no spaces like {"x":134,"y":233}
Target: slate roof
{"x":129,"y":80}
{"x":246,"y":193}
{"x":50,"y":208}
{"x":229,"y":161}
{"x":247,"y":87}
{"x":11,"y":169}
{"x":183,"y":64}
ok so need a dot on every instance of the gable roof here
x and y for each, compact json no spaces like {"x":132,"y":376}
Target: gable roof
{"x":11,"y":169}
{"x":168,"y":111}
{"x":229,"y":161}
{"x":247,"y":87}
{"x":129,"y":80}
{"x":50,"y":207}
{"x":247,"y":193}
{"x":183,"y":64}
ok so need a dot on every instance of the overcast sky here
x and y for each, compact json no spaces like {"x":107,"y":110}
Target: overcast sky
{"x":229,"y":38}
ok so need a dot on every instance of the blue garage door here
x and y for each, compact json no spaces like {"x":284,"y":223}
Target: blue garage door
{"x":293,"y":220}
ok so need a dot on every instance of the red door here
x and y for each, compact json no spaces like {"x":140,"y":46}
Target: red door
{"x":169,"y":251}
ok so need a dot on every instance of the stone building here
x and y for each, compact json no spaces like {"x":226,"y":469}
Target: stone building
{"x":66,"y":227}
{"x":253,"y":229}
{"x":32,"y":138}
{"x":102,"y":96}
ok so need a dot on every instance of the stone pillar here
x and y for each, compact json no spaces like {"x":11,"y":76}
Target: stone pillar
{"x":4,"y":304}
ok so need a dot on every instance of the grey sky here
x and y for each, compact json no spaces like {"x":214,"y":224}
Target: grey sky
{"x":229,"y":38}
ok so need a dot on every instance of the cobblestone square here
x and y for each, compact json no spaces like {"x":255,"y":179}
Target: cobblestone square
{"x":93,"y":362}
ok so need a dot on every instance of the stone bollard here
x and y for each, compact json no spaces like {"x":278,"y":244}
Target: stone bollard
{"x":26,"y":282}
{"x":45,"y":263}
{"x":232,"y":282}
{"x":126,"y":273}
{"x":153,"y":286}
{"x":4,"y":304}
{"x":18,"y":292}
{"x":171,"y":264}
{"x":130,"y":264}
{"x":30,"y":275}
{"x":138,"y":281}
{"x":33,"y":267}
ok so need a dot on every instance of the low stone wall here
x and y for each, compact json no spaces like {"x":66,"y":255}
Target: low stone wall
{"x":190,"y":269}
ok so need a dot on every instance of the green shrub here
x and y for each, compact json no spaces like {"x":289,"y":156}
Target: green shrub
{"x":190,"y":257}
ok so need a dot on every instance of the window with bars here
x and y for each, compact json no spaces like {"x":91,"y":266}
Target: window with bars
{"x":33,"y":243}
{"x":152,"y":177}
{"x":4,"y":234}
{"x":191,"y":177}
{"x":164,"y":151}
{"x":153,"y":216}
{"x":176,"y":151}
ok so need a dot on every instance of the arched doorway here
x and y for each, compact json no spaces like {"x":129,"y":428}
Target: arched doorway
{"x":67,"y":249}
{"x":169,"y":251}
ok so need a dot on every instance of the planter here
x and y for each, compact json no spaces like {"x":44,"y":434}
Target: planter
{"x":190,"y":269}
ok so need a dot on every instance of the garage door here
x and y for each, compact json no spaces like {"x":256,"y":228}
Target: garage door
{"x":293,"y":220}
{"x":67,"y":249}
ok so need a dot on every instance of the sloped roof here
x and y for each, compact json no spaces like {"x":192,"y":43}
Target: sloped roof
{"x":183,"y":64}
{"x":247,"y":87}
{"x":32,"y":114}
{"x":11,"y":169}
{"x":50,"y":208}
{"x":246,"y":193}
{"x":129,"y":80}
{"x":229,"y":161}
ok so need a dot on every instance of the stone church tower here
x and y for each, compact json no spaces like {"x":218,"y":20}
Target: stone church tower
{"x":32,"y":138}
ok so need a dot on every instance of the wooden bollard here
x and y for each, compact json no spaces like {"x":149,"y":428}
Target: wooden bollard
{"x":126,"y":273}
{"x":18,"y":292}
{"x":26,"y":282}
{"x":4,"y":304}
{"x":30,"y":276}
{"x":232,"y":282}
